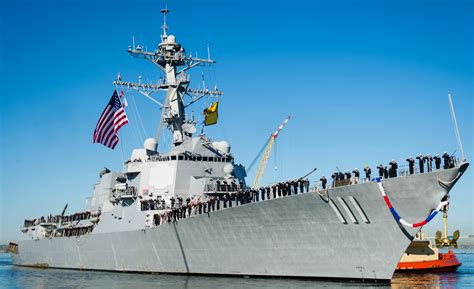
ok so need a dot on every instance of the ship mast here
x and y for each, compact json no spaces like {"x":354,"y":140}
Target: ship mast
{"x":170,"y":57}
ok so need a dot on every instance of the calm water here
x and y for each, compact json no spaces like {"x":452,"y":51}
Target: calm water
{"x":15,"y":277}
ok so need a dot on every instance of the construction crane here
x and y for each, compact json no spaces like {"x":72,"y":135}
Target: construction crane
{"x":266,"y":154}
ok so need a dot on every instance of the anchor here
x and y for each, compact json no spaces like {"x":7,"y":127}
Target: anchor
{"x":445,"y":241}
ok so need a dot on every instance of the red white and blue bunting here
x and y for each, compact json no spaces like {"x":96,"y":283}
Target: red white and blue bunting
{"x":397,"y":216}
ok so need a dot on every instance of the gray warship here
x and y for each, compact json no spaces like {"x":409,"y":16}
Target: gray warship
{"x":149,"y":217}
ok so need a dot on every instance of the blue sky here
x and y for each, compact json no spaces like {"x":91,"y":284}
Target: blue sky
{"x":364,"y":82}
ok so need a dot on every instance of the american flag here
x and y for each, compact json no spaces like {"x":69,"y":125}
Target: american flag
{"x":112,"y":119}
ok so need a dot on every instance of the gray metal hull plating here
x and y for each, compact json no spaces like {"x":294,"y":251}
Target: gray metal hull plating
{"x":296,"y":236}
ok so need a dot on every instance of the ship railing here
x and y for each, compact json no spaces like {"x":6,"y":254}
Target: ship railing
{"x":223,"y":188}
{"x":188,"y":157}
{"x":77,"y":231}
{"x":216,"y":203}
{"x":152,"y":205}
{"x":29,"y":223}
{"x":57,"y":220}
{"x":86,"y":215}
{"x":403,"y":170}
{"x":128,"y":193}
{"x":34,"y":222}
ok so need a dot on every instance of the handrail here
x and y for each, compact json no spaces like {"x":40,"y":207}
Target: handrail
{"x":403,"y":170}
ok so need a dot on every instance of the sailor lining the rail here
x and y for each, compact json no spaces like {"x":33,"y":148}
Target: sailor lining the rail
{"x":447,"y":160}
{"x":437,"y":160}
{"x":392,"y":173}
{"x":323,"y":182}
{"x":179,"y":209}
{"x":421,"y":163}
{"x":356,"y":176}
{"x":380,"y":168}
{"x":368,"y":172}
{"x":213,"y":203}
{"x":411,"y":165}
{"x":429,"y":162}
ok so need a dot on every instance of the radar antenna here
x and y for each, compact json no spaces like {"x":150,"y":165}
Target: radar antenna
{"x":165,"y":12}
{"x":170,"y":57}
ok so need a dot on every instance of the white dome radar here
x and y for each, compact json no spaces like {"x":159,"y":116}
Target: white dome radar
{"x":171,"y":39}
{"x":150,"y":144}
{"x":222,"y":146}
{"x":228,"y":169}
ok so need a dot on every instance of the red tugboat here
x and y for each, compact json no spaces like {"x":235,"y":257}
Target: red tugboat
{"x":421,"y":256}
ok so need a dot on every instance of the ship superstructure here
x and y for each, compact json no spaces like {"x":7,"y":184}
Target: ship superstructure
{"x":195,"y":167}
{"x":189,"y":210}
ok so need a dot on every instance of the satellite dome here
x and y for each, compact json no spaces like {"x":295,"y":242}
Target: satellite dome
{"x":228,"y":169}
{"x":189,"y":128}
{"x":224,"y":147}
{"x":150,"y":144}
{"x":171,"y":39}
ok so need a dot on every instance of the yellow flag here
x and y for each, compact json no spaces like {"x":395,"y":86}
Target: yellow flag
{"x":211,"y":114}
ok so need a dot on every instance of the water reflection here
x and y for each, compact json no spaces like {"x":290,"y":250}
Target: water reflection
{"x":52,"y":278}
{"x":425,"y":280}
{"x":18,"y":277}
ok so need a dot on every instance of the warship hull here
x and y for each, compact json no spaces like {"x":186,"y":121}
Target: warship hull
{"x":345,"y":233}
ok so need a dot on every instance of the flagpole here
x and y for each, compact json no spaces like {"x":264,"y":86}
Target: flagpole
{"x":119,"y":77}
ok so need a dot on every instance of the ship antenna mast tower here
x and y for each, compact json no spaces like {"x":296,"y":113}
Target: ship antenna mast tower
{"x":164,"y":27}
{"x":170,"y":57}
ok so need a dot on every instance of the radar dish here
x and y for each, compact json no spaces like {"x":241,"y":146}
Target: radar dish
{"x":189,"y":128}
